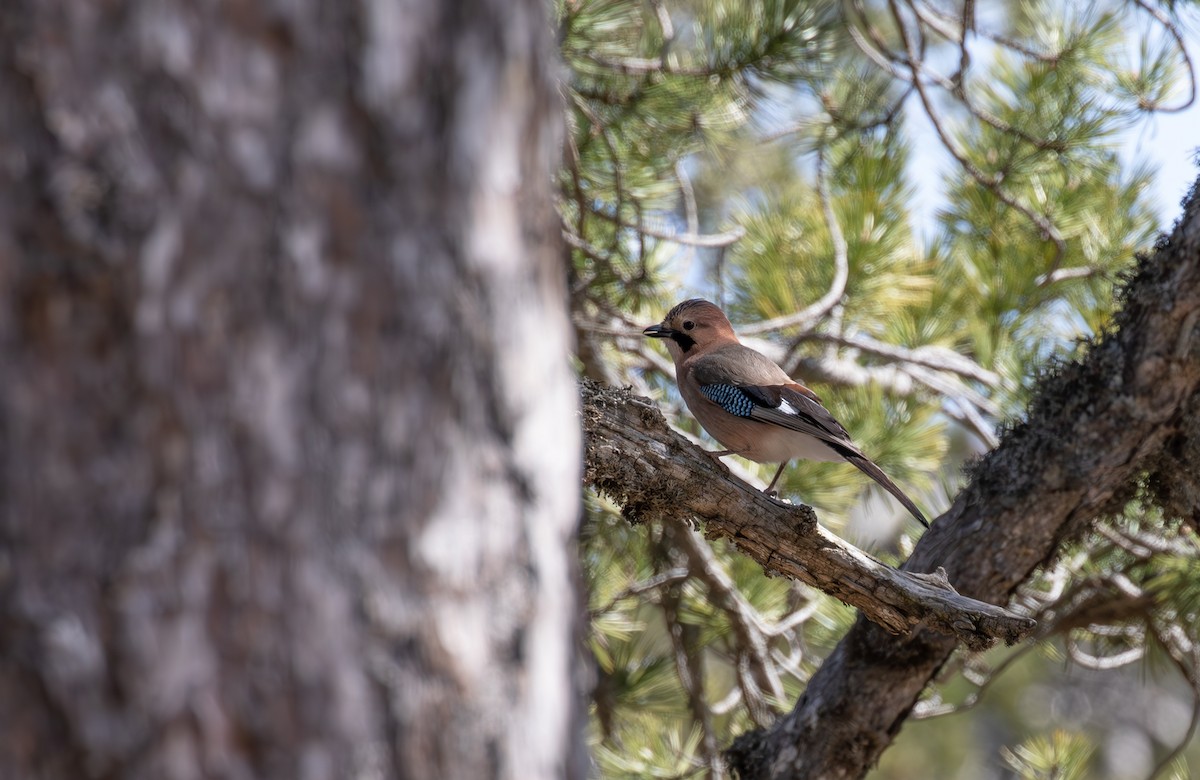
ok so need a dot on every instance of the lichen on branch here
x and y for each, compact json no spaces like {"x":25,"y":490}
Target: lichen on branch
{"x":654,"y":473}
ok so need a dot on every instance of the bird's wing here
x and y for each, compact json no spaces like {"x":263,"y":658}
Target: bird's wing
{"x":795,"y":407}
{"x":736,"y":364}
{"x":800,"y":410}
{"x":749,"y":384}
{"x":792,"y":406}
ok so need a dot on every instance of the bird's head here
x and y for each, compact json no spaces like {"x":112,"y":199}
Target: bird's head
{"x":692,"y":324}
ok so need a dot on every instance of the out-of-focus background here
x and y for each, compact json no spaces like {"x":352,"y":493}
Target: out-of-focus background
{"x":993,"y":168}
{"x":297,"y":298}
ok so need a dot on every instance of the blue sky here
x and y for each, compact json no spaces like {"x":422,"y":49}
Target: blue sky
{"x":1168,"y":141}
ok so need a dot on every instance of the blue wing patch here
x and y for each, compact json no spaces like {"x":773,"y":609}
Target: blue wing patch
{"x":730,"y":398}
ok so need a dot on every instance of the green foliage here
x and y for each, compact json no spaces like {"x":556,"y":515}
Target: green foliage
{"x":659,"y":749}
{"x":785,"y":261}
{"x":704,"y":140}
{"x":1061,"y":756}
{"x":1063,"y":162}
{"x":907,"y":440}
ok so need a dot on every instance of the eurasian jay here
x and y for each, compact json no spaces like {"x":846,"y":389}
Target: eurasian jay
{"x":749,"y":404}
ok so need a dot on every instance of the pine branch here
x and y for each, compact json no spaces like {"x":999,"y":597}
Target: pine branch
{"x":655,"y":473}
{"x":807,"y":317}
{"x":752,"y":638}
{"x":1094,"y":428}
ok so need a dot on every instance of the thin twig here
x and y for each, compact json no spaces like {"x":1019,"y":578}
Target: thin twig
{"x":663,"y":578}
{"x":1065,"y":274}
{"x":1173,"y":31}
{"x":747,"y":624}
{"x":701,"y":240}
{"x":595,"y":253}
{"x":841,"y":266}
{"x":1008,"y":43}
{"x":887,"y":118}
{"x":688,"y":663}
{"x":642,"y":66}
{"x":923,"y":713}
{"x":668,"y":31}
{"x":1187,"y":668}
{"x":969,"y":407}
{"x":930,"y":356}
{"x":957,"y":86}
{"x":601,"y":130}
{"x":689,"y":209}
{"x":992,"y":183}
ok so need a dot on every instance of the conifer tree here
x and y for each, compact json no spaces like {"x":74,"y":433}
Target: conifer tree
{"x":760,"y":154}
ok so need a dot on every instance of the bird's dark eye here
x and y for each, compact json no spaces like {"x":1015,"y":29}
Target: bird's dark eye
{"x":689,"y":325}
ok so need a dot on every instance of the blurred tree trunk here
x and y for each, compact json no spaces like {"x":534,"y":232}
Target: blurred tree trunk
{"x":288,"y":452}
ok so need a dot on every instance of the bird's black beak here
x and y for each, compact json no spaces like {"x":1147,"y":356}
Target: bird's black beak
{"x":658,"y":332}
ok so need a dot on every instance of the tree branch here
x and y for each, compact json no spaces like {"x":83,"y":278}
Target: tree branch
{"x":655,"y":473}
{"x":1094,"y":428}
{"x":930,"y":356}
{"x":841,"y":264}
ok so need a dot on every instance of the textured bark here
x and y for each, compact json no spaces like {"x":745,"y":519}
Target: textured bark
{"x":288,"y":466}
{"x":1094,"y":429}
{"x":653,"y":472}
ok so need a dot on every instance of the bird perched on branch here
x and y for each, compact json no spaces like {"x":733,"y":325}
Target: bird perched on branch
{"x":749,"y":404}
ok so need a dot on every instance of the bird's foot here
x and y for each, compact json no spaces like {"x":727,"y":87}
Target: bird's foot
{"x":777,"y":498}
{"x":770,"y":491}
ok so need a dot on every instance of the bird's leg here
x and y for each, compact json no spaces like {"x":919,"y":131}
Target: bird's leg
{"x":770,"y":488}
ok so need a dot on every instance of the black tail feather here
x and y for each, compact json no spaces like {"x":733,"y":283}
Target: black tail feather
{"x":874,"y":472}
